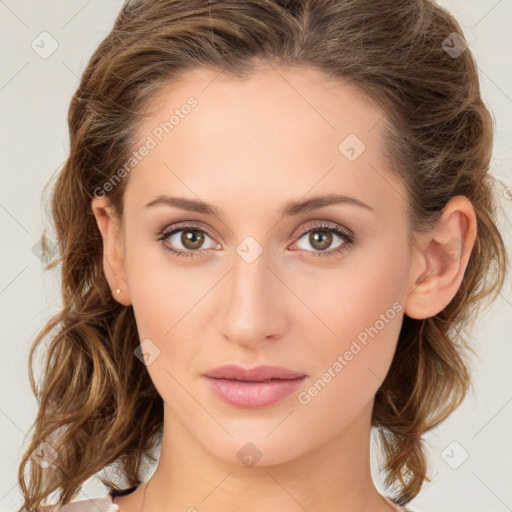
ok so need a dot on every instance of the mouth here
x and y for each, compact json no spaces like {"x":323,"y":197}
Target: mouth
{"x":253,"y":388}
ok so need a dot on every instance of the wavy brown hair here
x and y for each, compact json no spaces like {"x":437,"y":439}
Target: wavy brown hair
{"x":97,"y":405}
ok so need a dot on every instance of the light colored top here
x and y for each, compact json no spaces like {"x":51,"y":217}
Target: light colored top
{"x":103,"y":504}
{"x":106,"y":504}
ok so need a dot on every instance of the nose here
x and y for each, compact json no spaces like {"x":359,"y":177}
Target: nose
{"x":253,"y":306}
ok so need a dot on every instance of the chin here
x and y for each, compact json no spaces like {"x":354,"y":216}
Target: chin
{"x":256,"y":450}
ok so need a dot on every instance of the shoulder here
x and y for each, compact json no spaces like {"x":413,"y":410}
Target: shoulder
{"x":103,"y":504}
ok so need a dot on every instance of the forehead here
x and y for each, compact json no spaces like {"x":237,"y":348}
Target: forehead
{"x":269,"y":93}
{"x":279,"y":130}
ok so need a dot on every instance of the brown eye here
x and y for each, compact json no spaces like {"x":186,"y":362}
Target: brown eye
{"x":186,"y":240}
{"x":192,"y":238}
{"x":320,"y":238}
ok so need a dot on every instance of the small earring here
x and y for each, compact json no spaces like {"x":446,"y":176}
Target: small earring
{"x":118,"y":291}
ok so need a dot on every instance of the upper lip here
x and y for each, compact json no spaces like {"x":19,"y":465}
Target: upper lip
{"x":256,"y":374}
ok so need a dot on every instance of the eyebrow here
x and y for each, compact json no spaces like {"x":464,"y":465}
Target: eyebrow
{"x":290,"y":208}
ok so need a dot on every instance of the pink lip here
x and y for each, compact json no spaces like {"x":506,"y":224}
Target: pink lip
{"x":256,"y":374}
{"x":254,"y":387}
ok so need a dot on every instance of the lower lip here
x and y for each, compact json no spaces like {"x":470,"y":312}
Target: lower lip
{"x":252,"y":395}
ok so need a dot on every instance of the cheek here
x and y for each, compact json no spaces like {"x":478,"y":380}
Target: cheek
{"x":161,"y":292}
{"x":352,"y":365}
{"x":362,"y":306}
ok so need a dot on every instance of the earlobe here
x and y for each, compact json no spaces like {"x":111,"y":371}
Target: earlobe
{"x":113,"y":258}
{"x":443,"y":255}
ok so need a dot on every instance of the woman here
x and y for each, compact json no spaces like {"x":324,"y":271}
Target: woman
{"x":273,"y":223}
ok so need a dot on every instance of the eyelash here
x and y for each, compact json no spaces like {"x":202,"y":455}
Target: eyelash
{"x":345,"y":235}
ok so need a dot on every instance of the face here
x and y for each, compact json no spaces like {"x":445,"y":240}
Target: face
{"x":317,"y":289}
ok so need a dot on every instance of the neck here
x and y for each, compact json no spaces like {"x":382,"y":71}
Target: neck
{"x":333,"y":477}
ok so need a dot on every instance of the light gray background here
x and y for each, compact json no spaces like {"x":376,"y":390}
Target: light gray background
{"x":34,"y":98}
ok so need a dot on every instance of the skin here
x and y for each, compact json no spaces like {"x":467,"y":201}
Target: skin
{"x":248,"y":148}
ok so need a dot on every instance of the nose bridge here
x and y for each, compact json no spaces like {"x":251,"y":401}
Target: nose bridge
{"x":253,"y":307}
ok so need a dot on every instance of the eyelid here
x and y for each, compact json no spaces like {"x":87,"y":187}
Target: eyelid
{"x":310,"y":225}
{"x":318,"y":224}
{"x":184,"y":225}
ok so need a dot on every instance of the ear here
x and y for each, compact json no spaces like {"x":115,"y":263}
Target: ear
{"x":440,"y":260}
{"x":110,"y":227}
